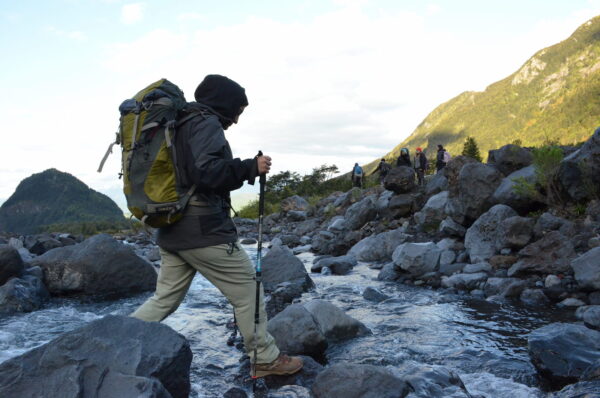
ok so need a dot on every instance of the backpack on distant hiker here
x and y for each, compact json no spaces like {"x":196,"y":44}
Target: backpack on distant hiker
{"x":358,"y":171}
{"x":147,"y":129}
{"x":446,"y":157}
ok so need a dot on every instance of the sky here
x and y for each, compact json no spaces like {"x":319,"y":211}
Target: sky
{"x":328,"y":81}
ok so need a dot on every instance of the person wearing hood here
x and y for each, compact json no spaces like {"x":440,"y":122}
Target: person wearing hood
{"x":205,"y":240}
{"x":404,"y":158}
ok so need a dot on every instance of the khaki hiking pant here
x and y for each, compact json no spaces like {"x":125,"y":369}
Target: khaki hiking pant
{"x":229,"y":271}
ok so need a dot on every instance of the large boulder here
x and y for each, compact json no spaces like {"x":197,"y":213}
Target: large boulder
{"x":516,"y":232}
{"x":452,"y":171}
{"x":476,"y":184}
{"x":587,"y":269}
{"x":294,"y":203}
{"x":40,"y":244}
{"x":507,"y":194}
{"x":417,"y":258}
{"x":484,"y":239}
{"x":504,"y":287}
{"x":280,"y":265}
{"x":401,"y":205}
{"x":432,"y":381}
{"x":400,"y":179}
{"x":434,"y":211}
{"x":361,"y":212}
{"x":11,"y":264}
{"x":115,"y":356}
{"x":581,"y":170}
{"x":344,"y":380}
{"x":334,"y":323}
{"x":24,"y":294}
{"x":510,"y":158}
{"x":550,"y":255}
{"x":436,"y":184}
{"x":378,"y":247}
{"x":99,"y":265}
{"x":561,"y":352}
{"x":340,"y":265}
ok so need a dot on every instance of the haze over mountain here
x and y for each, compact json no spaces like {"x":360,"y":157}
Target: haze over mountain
{"x":553,"y":97}
{"x":54,"y":197}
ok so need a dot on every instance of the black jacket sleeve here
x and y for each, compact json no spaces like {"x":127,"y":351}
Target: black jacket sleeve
{"x":211,"y":165}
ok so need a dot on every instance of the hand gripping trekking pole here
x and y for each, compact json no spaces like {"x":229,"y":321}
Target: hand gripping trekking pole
{"x":261,"y":212}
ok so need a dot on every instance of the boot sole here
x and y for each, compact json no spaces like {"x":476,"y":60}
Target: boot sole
{"x":263,"y":373}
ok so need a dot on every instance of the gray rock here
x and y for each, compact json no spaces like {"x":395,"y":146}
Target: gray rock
{"x":389,"y":273}
{"x":400,"y":180}
{"x":296,"y":215}
{"x":510,"y":158}
{"x":291,"y":391}
{"x":450,"y":227}
{"x":280,"y":265}
{"x":594,"y":298}
{"x":552,"y":281}
{"x":375,"y":295}
{"x":516,"y":232}
{"x":464,"y":281}
{"x":290,"y":386}
{"x":346,"y":199}
{"x":275,"y":242}
{"x":24,"y":294}
{"x":417,"y":258}
{"x":561,"y":352}
{"x":305,"y":337}
{"x":252,"y":241}
{"x":581,"y":169}
{"x":591,"y":317}
{"x":290,"y":240}
{"x":401,"y":205}
{"x":340,"y":265}
{"x":40,"y":244}
{"x":587,"y":269}
{"x":301,"y":249}
{"x":136,"y":359}
{"x":478,"y":267}
{"x":449,"y":269}
{"x":337,"y":224}
{"x":361,"y":212}
{"x":570,"y":302}
{"x":432,"y":381}
{"x":436,"y":184}
{"x":452,"y":172}
{"x":434,"y":211}
{"x":550,"y":255}
{"x":504,"y":287}
{"x":333,"y":322}
{"x":447,"y":257}
{"x":484,"y":238}
{"x":583,"y":389}
{"x":11,"y":264}
{"x":383,"y":201}
{"x":379,"y":247}
{"x":547,"y":222}
{"x":294,"y":203}
{"x":16,"y":243}
{"x":98,"y":265}
{"x":533,"y":297}
{"x":283,"y":295}
{"x":358,"y":381}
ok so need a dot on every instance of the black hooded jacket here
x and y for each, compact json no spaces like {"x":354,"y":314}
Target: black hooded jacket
{"x":204,"y":159}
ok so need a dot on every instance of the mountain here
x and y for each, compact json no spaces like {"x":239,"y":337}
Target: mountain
{"x":53,"y":197}
{"x":553,"y":97}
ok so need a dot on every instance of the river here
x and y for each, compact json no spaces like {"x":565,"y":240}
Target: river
{"x":485,"y":343}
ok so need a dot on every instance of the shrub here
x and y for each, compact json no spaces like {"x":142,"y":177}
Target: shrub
{"x":471,"y":149}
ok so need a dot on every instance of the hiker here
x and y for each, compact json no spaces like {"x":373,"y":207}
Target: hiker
{"x":404,"y":158}
{"x":442,"y":158}
{"x":357,"y":176}
{"x":421,"y":165}
{"x":205,"y":240}
{"x":383,"y":168}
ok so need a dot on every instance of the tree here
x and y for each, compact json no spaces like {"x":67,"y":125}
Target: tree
{"x":471,"y":149}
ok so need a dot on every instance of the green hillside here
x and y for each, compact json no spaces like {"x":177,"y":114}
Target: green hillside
{"x":554,"y":96}
{"x":56,"y":198}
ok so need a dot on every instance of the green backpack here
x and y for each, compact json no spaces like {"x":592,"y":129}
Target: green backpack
{"x":147,"y":129}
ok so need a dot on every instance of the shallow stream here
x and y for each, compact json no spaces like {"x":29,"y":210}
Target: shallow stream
{"x":485,"y":343}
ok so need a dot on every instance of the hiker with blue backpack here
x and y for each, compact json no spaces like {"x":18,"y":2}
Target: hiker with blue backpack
{"x":357,"y":176}
{"x":178,"y":171}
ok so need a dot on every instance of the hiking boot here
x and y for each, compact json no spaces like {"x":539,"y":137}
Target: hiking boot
{"x":283,"y":365}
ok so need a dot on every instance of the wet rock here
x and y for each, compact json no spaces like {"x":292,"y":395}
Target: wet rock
{"x":98,"y":265}
{"x":11,"y":264}
{"x":361,"y":212}
{"x":137,"y":359}
{"x":250,"y":241}
{"x":294,"y":203}
{"x":587,"y":269}
{"x":534,"y":297}
{"x":561,"y":352}
{"x":235,"y":392}
{"x":290,"y":383}
{"x":477,"y":183}
{"x":550,"y":255}
{"x":505,"y":287}
{"x":280,"y":265}
{"x":291,"y":391}
{"x":417,"y":258}
{"x":379,"y":247}
{"x":374,"y":295}
{"x":400,"y":180}
{"x":434,"y":211}
{"x":340,"y":265}
{"x":484,"y":238}
{"x":301,"y":249}
{"x":583,"y":389}
{"x":464,"y":281}
{"x":24,"y":294}
{"x":431,"y":381}
{"x":450,"y":227}
{"x":510,"y":158}
{"x":389,"y":273}
{"x":581,"y":169}
{"x":358,"y":381}
{"x":333,"y":322}
{"x":591,"y":317}
{"x":592,"y":372}
{"x":594,"y":298}
{"x":570,"y":302}
{"x":283,"y":295}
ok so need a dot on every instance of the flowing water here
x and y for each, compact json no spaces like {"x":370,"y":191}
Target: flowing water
{"x":485,"y":343}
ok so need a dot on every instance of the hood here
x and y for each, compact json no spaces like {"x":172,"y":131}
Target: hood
{"x":222,"y":95}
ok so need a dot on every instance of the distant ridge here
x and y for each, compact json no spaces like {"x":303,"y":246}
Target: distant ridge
{"x":554,"y":96}
{"x":54,"y":197}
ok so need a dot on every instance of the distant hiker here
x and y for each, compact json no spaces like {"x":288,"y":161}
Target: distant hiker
{"x":421,"y":165}
{"x":357,"y":176}
{"x":205,"y":240}
{"x":383,"y":168}
{"x":442,"y":158}
{"x":404,"y":158}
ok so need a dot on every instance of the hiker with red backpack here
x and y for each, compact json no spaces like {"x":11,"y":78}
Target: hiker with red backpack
{"x":195,"y":230}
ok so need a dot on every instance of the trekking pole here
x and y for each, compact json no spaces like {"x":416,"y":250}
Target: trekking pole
{"x":261,"y":212}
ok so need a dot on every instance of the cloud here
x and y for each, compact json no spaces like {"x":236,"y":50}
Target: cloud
{"x":73,"y":35}
{"x":132,"y":13}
